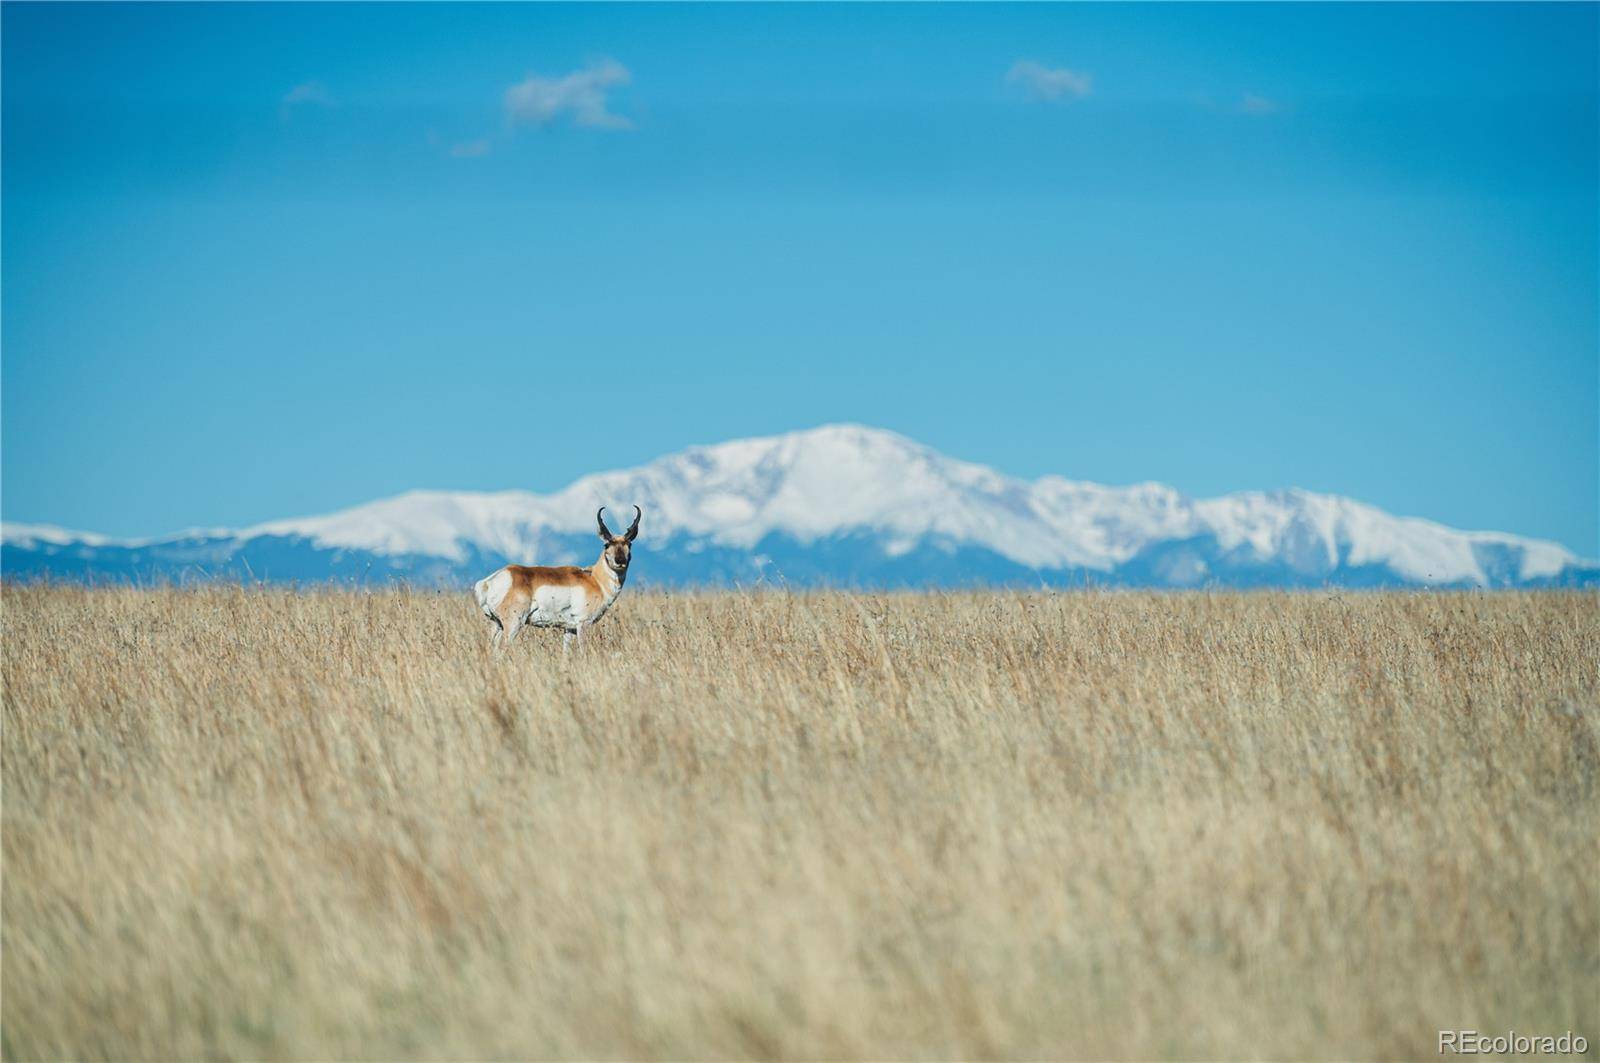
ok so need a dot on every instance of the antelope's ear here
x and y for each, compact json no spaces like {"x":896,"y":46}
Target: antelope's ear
{"x":633,"y":529}
{"x":600,"y":519}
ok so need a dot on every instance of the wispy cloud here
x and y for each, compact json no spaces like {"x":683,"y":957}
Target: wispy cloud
{"x":470,"y":149}
{"x":314,"y":93}
{"x":581,"y":95}
{"x":1250,"y":103}
{"x":1050,"y":83}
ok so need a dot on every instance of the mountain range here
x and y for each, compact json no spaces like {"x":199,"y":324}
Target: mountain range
{"x":840,"y":505}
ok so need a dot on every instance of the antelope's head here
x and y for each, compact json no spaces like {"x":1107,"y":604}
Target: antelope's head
{"x":618,"y":547}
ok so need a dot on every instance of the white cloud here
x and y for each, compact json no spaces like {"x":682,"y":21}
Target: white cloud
{"x":312,"y":92}
{"x":580,"y":94}
{"x":470,"y":149}
{"x":1250,"y":103}
{"x":1050,"y":83}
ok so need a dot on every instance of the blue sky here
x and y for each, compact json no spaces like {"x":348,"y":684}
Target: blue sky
{"x":263,"y":260}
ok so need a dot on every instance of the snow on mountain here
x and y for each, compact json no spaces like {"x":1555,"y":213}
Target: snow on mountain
{"x":808,"y":485}
{"x":850,"y":497}
{"x":33,"y":535}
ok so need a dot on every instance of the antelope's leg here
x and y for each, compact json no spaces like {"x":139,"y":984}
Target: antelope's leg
{"x":566,"y":641}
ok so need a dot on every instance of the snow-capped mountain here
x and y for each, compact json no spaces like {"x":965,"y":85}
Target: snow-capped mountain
{"x":840,"y":505}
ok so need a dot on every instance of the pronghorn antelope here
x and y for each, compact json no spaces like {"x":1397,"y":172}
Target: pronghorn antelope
{"x":570,"y":597}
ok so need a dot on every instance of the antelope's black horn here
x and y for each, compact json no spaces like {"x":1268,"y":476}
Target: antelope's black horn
{"x":600,"y":518}
{"x":633,"y":529}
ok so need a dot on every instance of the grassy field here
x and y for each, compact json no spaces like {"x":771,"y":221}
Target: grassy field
{"x":261,"y":824}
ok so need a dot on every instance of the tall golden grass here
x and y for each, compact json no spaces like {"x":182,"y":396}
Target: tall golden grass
{"x":265,"y":824}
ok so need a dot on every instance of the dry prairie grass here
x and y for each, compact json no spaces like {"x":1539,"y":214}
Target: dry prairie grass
{"x":261,"y":824}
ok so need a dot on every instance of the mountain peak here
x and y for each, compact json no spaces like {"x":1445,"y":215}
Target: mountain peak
{"x":856,"y":504}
